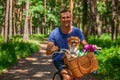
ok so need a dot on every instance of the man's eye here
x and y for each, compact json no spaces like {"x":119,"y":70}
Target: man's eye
{"x":63,"y":17}
{"x":68,"y":17}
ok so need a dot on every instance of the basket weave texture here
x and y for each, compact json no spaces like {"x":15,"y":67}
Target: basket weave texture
{"x":80,"y":66}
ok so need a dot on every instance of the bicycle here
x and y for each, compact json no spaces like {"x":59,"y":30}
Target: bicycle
{"x":57,"y":75}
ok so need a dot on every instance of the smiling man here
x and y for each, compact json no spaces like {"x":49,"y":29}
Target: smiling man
{"x":58,"y":39}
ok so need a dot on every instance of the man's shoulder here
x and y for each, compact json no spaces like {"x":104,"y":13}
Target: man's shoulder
{"x":56,"y":29}
{"x":75,"y":28}
{"x":53,"y":34}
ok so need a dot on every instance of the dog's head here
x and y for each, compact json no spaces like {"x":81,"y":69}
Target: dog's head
{"x":73,"y":43}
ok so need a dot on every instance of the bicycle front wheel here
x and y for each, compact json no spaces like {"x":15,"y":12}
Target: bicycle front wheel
{"x":57,"y":76}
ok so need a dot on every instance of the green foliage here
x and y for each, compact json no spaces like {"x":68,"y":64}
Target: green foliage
{"x":1,"y":7}
{"x":36,"y":6}
{"x":20,"y":3}
{"x":11,"y":51}
{"x":53,"y":18}
{"x":109,"y":57}
{"x":104,"y":41}
{"x":15,"y":49}
{"x":34,"y":9}
{"x":109,"y":60}
{"x":1,"y":39}
{"x":7,"y":54}
{"x":102,"y":8}
{"x":38,"y":37}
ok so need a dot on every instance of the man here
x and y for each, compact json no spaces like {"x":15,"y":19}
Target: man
{"x":58,"y":40}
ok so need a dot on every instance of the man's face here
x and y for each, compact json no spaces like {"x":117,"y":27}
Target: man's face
{"x":65,"y":18}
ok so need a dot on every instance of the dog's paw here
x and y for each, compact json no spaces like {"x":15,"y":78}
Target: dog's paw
{"x":74,"y":56}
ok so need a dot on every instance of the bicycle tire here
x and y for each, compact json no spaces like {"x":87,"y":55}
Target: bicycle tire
{"x":57,"y":76}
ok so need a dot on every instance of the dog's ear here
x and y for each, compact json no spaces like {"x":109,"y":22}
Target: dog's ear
{"x":77,"y":38}
{"x":69,"y":39}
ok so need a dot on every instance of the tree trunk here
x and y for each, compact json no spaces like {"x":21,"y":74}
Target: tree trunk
{"x":113,"y":21}
{"x":98,"y":22}
{"x":75,"y":16}
{"x":45,"y":17}
{"x":71,"y":8}
{"x":6,"y":22}
{"x":38,"y":30}
{"x":14,"y":23}
{"x":10,"y":23}
{"x":92,"y":16}
{"x":119,"y":21}
{"x":85,"y":27}
{"x":118,"y":14}
{"x":18,"y":22}
{"x":3,"y":23}
{"x":26,"y":33}
{"x":30,"y":24}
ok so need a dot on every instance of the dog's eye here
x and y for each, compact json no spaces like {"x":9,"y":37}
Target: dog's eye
{"x":74,"y":41}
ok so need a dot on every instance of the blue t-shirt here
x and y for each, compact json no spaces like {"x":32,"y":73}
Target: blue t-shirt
{"x":60,"y":39}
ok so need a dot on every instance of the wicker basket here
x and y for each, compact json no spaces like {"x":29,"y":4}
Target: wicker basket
{"x":82,"y":65}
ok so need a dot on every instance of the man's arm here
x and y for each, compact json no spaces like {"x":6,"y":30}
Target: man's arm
{"x":84,"y":42}
{"x":51,"y":47}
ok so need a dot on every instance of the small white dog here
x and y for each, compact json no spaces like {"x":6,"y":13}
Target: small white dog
{"x":73,"y":45}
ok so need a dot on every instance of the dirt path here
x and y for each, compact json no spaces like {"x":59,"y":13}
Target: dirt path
{"x":36,"y":67}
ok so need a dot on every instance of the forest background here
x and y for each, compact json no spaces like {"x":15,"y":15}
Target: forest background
{"x":23,"y":22}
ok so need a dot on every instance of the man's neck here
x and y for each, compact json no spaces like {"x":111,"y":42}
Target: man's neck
{"x":66,"y":30}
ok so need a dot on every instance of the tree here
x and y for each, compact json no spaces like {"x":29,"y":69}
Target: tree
{"x":71,"y":8}
{"x":2,"y":23}
{"x":98,"y":22}
{"x":113,"y":23}
{"x":26,"y":32}
{"x":85,"y":27}
{"x":6,"y":22}
{"x":10,"y":21}
{"x":118,"y":14}
{"x":44,"y":16}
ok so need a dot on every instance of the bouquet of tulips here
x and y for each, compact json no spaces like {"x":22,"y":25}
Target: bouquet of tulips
{"x":89,"y":48}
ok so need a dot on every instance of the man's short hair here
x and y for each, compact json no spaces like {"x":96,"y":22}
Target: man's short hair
{"x":65,"y":10}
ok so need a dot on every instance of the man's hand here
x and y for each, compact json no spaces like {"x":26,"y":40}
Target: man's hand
{"x":51,"y":47}
{"x":55,"y":48}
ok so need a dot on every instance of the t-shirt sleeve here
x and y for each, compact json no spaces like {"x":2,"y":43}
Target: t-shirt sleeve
{"x":51,"y":37}
{"x":80,"y":35}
